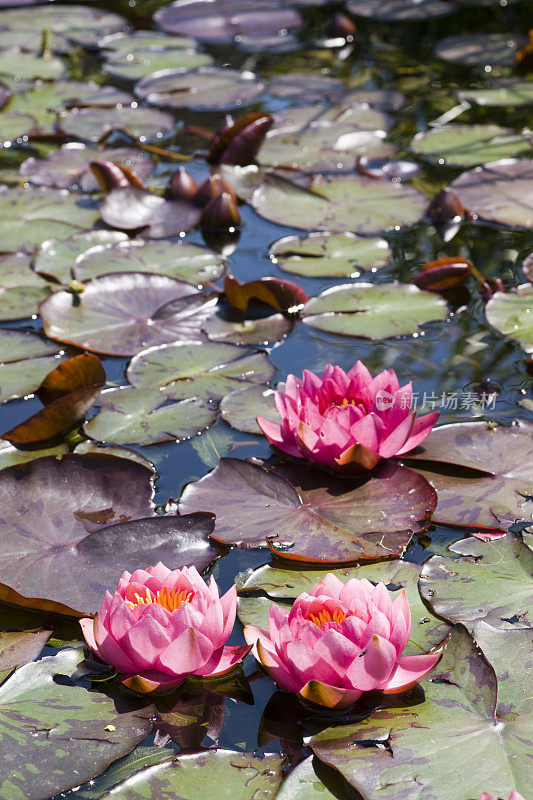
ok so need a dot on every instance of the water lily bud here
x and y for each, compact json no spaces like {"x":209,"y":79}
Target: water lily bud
{"x":341,"y":26}
{"x":443,"y":274}
{"x":339,"y":641}
{"x":211,"y":188}
{"x":182,"y":186}
{"x":240,"y":143}
{"x":490,"y":287}
{"x":221,"y":214}
{"x":111,"y":176}
{"x":446,"y":212}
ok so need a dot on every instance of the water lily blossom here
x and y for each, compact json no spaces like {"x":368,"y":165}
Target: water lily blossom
{"x":347,"y":421}
{"x":513,"y":796}
{"x":339,"y":641}
{"x":161,"y":625}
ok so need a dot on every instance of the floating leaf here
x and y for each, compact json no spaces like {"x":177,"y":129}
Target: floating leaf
{"x":302,"y":783}
{"x":142,"y":756}
{"x":67,"y":392}
{"x":132,"y":56}
{"x":229,"y":326}
{"x":21,"y":290}
{"x":222,"y":774}
{"x":25,"y":360}
{"x":29,"y":216}
{"x":70,"y":165}
{"x":27,"y":66}
{"x":496,"y":496}
{"x":409,"y":748}
{"x":63,"y":22}
{"x":18,"y":648}
{"x":11,"y":455}
{"x":182,"y":260}
{"x":55,"y":259}
{"x":93,"y":124}
{"x":16,"y":125}
{"x":64,"y":514}
{"x":125,"y":313}
{"x":114,"y":450}
{"x":207,"y":88}
{"x":323,"y":255}
{"x":491,"y":582}
{"x":512,"y":314}
{"x":351,"y":202}
{"x":68,"y":734}
{"x":479,"y":49}
{"x":373,"y":312}
{"x":240,"y":408}
{"x":314,"y":514}
{"x":506,"y":92}
{"x":132,"y":416}
{"x":208,"y":370}
{"x":401,"y":10}
{"x":466,"y":145}
{"x":499,"y":192}
{"x":131,"y":208}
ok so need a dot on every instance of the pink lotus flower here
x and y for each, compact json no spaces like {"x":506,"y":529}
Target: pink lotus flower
{"x":338,"y":641}
{"x":512,"y":796}
{"x":161,"y":625}
{"x":346,"y":420}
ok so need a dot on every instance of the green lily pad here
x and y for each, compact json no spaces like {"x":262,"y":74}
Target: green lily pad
{"x":13,"y":126}
{"x":182,"y":260}
{"x":302,"y":783}
{"x":20,"y":647}
{"x":55,"y":258}
{"x":66,"y":20}
{"x":496,"y":644}
{"x":373,"y":312}
{"x":132,"y":65}
{"x":277,"y":584}
{"x":27,"y":66}
{"x":497,"y":494}
{"x":325,"y":255}
{"x":130,"y":416}
{"x":222,"y":774}
{"x":511,"y":313}
{"x":479,"y":49}
{"x":240,"y":408}
{"x":125,"y":313}
{"x":67,"y":734}
{"x":491,"y":582}
{"x":10,"y":455}
{"x":410,"y":749}
{"x":143,"y":756}
{"x":466,"y":145}
{"x":500,"y":192}
{"x":507,"y":92}
{"x":207,"y":88}
{"x":144,"y":40}
{"x":349,"y":202}
{"x":229,"y":326}
{"x":207,"y":370}
{"x":25,"y":360}
{"x":21,"y":290}
{"x":93,"y":124}
{"x":88,"y":446}
{"x":309,"y":515}
{"x":400,"y":10}
{"x":29,"y":216}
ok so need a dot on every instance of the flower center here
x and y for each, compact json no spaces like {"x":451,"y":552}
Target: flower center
{"x":169,"y":599}
{"x":325,"y":615}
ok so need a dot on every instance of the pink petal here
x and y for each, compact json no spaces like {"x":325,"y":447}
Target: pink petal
{"x":145,"y":641}
{"x":365,"y":433}
{"x":373,"y":666}
{"x":223,"y":660}
{"x":382,"y":599}
{"x":120,"y":621}
{"x":109,"y":650}
{"x":273,"y":433}
{"x":159,"y":572}
{"x":336,"y":650}
{"x":407,"y":672}
{"x":400,"y":623}
{"x":183,"y":618}
{"x":360,"y":375}
{"x":186,"y":654}
{"x":213,"y":624}
{"x":421,"y":429}
{"x":329,"y":585}
{"x":228,"y":603}
{"x":393,"y":443}
{"x":276,"y":669}
{"x":87,"y":628}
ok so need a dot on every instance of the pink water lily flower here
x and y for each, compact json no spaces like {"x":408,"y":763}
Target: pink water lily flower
{"x":512,"y":796}
{"x":339,"y":641}
{"x":346,"y":420}
{"x":161,"y":625}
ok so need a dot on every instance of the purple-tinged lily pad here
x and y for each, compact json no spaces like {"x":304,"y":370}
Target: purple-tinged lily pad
{"x":324,"y":255}
{"x":25,"y":360}
{"x":240,"y":408}
{"x":93,"y":124}
{"x":88,"y":446}
{"x":125,"y":313}
{"x":307,"y":87}
{"x":20,"y":647}
{"x":55,"y":259}
{"x":228,"y":325}
{"x":21,"y":290}
{"x":344,"y":203}
{"x":207,"y":88}
{"x":466,"y":145}
{"x":131,"y":208}
{"x":309,"y":515}
{"x":135,"y":63}
{"x":494,"y":497}
{"x":500,"y":192}
{"x":88,"y":518}
{"x":490,"y":582}
{"x":373,"y":312}
{"x":70,"y":165}
{"x":133,"y":416}
{"x":479,"y":49}
{"x":208,"y":370}
{"x":512,"y":314}
{"x":401,"y":10}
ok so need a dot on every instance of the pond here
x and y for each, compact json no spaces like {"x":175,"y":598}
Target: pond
{"x":372,"y":201}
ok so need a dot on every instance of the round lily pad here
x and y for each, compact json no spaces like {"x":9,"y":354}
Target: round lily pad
{"x":13,"y":126}
{"x":506,"y":92}
{"x":26,"y":360}
{"x":466,"y":145}
{"x":373,"y":312}
{"x":324,"y":255}
{"x":240,"y":408}
{"x":131,"y":416}
{"x":132,"y":65}
{"x":55,"y":258}
{"x":207,"y":88}
{"x":125,"y":313}
{"x":131,"y":207}
{"x":93,"y":124}
{"x":21,"y":290}
{"x":29,"y":216}
{"x":350,"y":202}
{"x":183,"y":260}
{"x":500,"y":192}
{"x":144,"y":40}
{"x":229,"y":326}
{"x":208,"y":370}
{"x":27,"y":66}
{"x":401,"y":10}
{"x":63,"y":19}
{"x":512,"y":314}
{"x":479,"y":49}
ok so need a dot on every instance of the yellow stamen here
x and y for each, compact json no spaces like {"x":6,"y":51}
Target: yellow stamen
{"x":324,"y":616}
{"x":169,"y":599}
